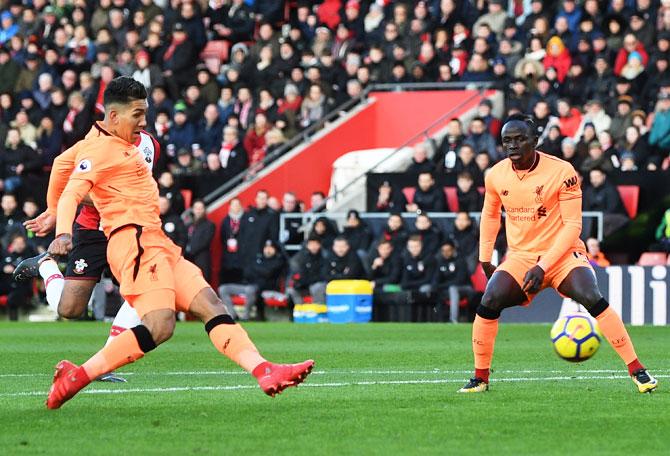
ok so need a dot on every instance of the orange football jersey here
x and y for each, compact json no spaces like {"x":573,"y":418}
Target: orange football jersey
{"x":118,"y":180}
{"x":539,"y":204}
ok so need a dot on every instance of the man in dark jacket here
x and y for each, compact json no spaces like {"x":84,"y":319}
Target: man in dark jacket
{"x":232,"y":154}
{"x":427,"y":196}
{"x":200,"y":234}
{"x":291,"y":234}
{"x":179,"y":61}
{"x":450,"y":281}
{"x":210,"y":130}
{"x":17,"y":292}
{"x":17,"y":159}
{"x":9,"y":71}
{"x":385,"y":269}
{"x":172,"y":225}
{"x":306,"y":273}
{"x":258,"y":224}
{"x":231,"y":267}
{"x":262,"y":274}
{"x":418,"y":267}
{"x":357,"y":233}
{"x":344,"y":263}
{"x":469,"y":198}
{"x":603,"y":196}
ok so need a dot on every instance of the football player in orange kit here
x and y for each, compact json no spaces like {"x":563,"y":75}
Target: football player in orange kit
{"x":155,"y":279}
{"x":542,"y":198}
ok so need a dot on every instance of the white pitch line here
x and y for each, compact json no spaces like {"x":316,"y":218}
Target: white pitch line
{"x":326,"y":385}
{"x":354,"y":371}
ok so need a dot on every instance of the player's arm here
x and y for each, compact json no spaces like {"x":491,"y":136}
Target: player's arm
{"x":489,"y":225}
{"x":61,"y":171}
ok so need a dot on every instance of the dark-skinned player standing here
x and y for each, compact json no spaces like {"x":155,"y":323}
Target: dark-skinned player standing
{"x":542,"y":198}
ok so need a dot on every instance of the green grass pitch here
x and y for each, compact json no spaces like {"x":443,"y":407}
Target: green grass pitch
{"x":381,"y":389}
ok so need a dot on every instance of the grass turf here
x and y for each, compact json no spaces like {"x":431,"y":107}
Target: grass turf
{"x":385,"y":389}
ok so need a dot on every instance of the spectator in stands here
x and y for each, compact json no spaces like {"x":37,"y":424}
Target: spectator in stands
{"x":325,"y":231}
{"x":77,"y":121}
{"x":418,"y":269}
{"x":263,"y":273}
{"x":210,"y":130}
{"x":603,"y":196}
{"x":469,"y":199}
{"x":182,"y":132}
{"x":212,"y":176}
{"x":200,"y":233}
{"x":9,"y":71}
{"x":168,"y":188}
{"x":16,"y":161}
{"x":259,"y":224}
{"x":179,"y":60}
{"x":659,"y":135}
{"x":388,"y":199}
{"x":569,"y":152}
{"x":637,"y":146}
{"x":306,"y":273}
{"x":343,"y":263}
{"x":420,"y":162}
{"x":49,"y":141}
{"x":430,"y":235}
{"x":292,"y":233}
{"x":17,"y":292}
{"x":171,"y":222}
{"x":466,"y":239}
{"x":427,"y":196}
{"x":254,"y":142}
{"x":481,"y":140}
{"x":596,"y":159}
{"x":595,"y":255}
{"x":596,"y":115}
{"x":446,"y":158}
{"x":450,"y":281}
{"x":231,"y":267}
{"x":232,"y":154}
{"x":317,"y":202}
{"x":630,"y":44}
{"x":357,"y":234}
{"x":10,"y":218}
{"x":385,"y":270}
{"x":314,"y":107}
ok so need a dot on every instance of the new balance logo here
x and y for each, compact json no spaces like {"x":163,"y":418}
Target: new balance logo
{"x":541,"y":212}
{"x":571,"y":182}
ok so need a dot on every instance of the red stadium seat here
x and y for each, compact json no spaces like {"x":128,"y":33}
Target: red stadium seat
{"x":3,"y":300}
{"x":409,"y":194}
{"x":214,"y":54}
{"x":188,"y":196}
{"x":630,"y":195}
{"x":652,"y":259}
{"x":275,"y":301}
{"x":452,"y":198}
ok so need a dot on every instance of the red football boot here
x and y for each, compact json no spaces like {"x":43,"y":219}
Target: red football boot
{"x":275,"y":378}
{"x":69,"y":379}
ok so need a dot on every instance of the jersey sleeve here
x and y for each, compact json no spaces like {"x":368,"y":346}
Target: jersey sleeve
{"x":490,"y":221}
{"x":60,"y":173}
{"x":89,"y":166}
{"x":570,"y":207}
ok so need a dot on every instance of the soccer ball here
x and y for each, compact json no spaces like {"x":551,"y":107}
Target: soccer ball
{"x":576,"y":337}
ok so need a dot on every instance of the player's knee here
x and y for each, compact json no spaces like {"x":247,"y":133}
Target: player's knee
{"x":70,"y":309}
{"x":492,"y":301}
{"x":161,"y":325}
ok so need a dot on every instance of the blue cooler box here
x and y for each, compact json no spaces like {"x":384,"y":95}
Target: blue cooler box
{"x":349,"y":301}
{"x":310,"y":313}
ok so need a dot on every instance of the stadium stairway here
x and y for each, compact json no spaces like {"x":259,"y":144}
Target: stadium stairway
{"x":382,"y":120}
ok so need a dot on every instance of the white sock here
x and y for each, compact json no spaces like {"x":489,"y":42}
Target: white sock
{"x":126,"y":318}
{"x":53,"y":282}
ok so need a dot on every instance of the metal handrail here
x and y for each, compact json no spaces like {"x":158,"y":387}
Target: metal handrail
{"x":306,"y":134}
{"x":308,"y":218}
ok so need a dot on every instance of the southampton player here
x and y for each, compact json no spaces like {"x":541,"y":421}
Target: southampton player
{"x":69,"y":295}
{"x":542,"y":198}
{"x":155,"y":279}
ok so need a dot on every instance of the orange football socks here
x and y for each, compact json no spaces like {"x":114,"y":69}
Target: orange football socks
{"x":127,"y":347}
{"x":615,"y":332}
{"x":484,"y":333}
{"x":232,"y":340}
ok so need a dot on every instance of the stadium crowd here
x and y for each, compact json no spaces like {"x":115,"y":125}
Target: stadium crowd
{"x":593,"y":74}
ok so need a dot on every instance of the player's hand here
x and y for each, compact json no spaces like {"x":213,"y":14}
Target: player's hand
{"x":488,"y":268}
{"x":533,"y":279}
{"x":61,"y":246}
{"x":41,"y":225}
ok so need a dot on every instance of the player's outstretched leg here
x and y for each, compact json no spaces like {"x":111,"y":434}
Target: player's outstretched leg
{"x":45,"y":266}
{"x":232,"y":340}
{"x":501,"y":292}
{"x":580,"y":285}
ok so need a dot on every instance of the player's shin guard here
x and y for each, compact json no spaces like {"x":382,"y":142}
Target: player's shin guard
{"x":614,"y":330}
{"x":232,"y":340}
{"x":126,"y":318}
{"x":126,"y":348}
{"x":484,"y":332}
{"x":53,"y":282}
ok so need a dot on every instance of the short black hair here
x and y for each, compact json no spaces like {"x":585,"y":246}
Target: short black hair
{"x":528,"y":120}
{"x":124,"y":90}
